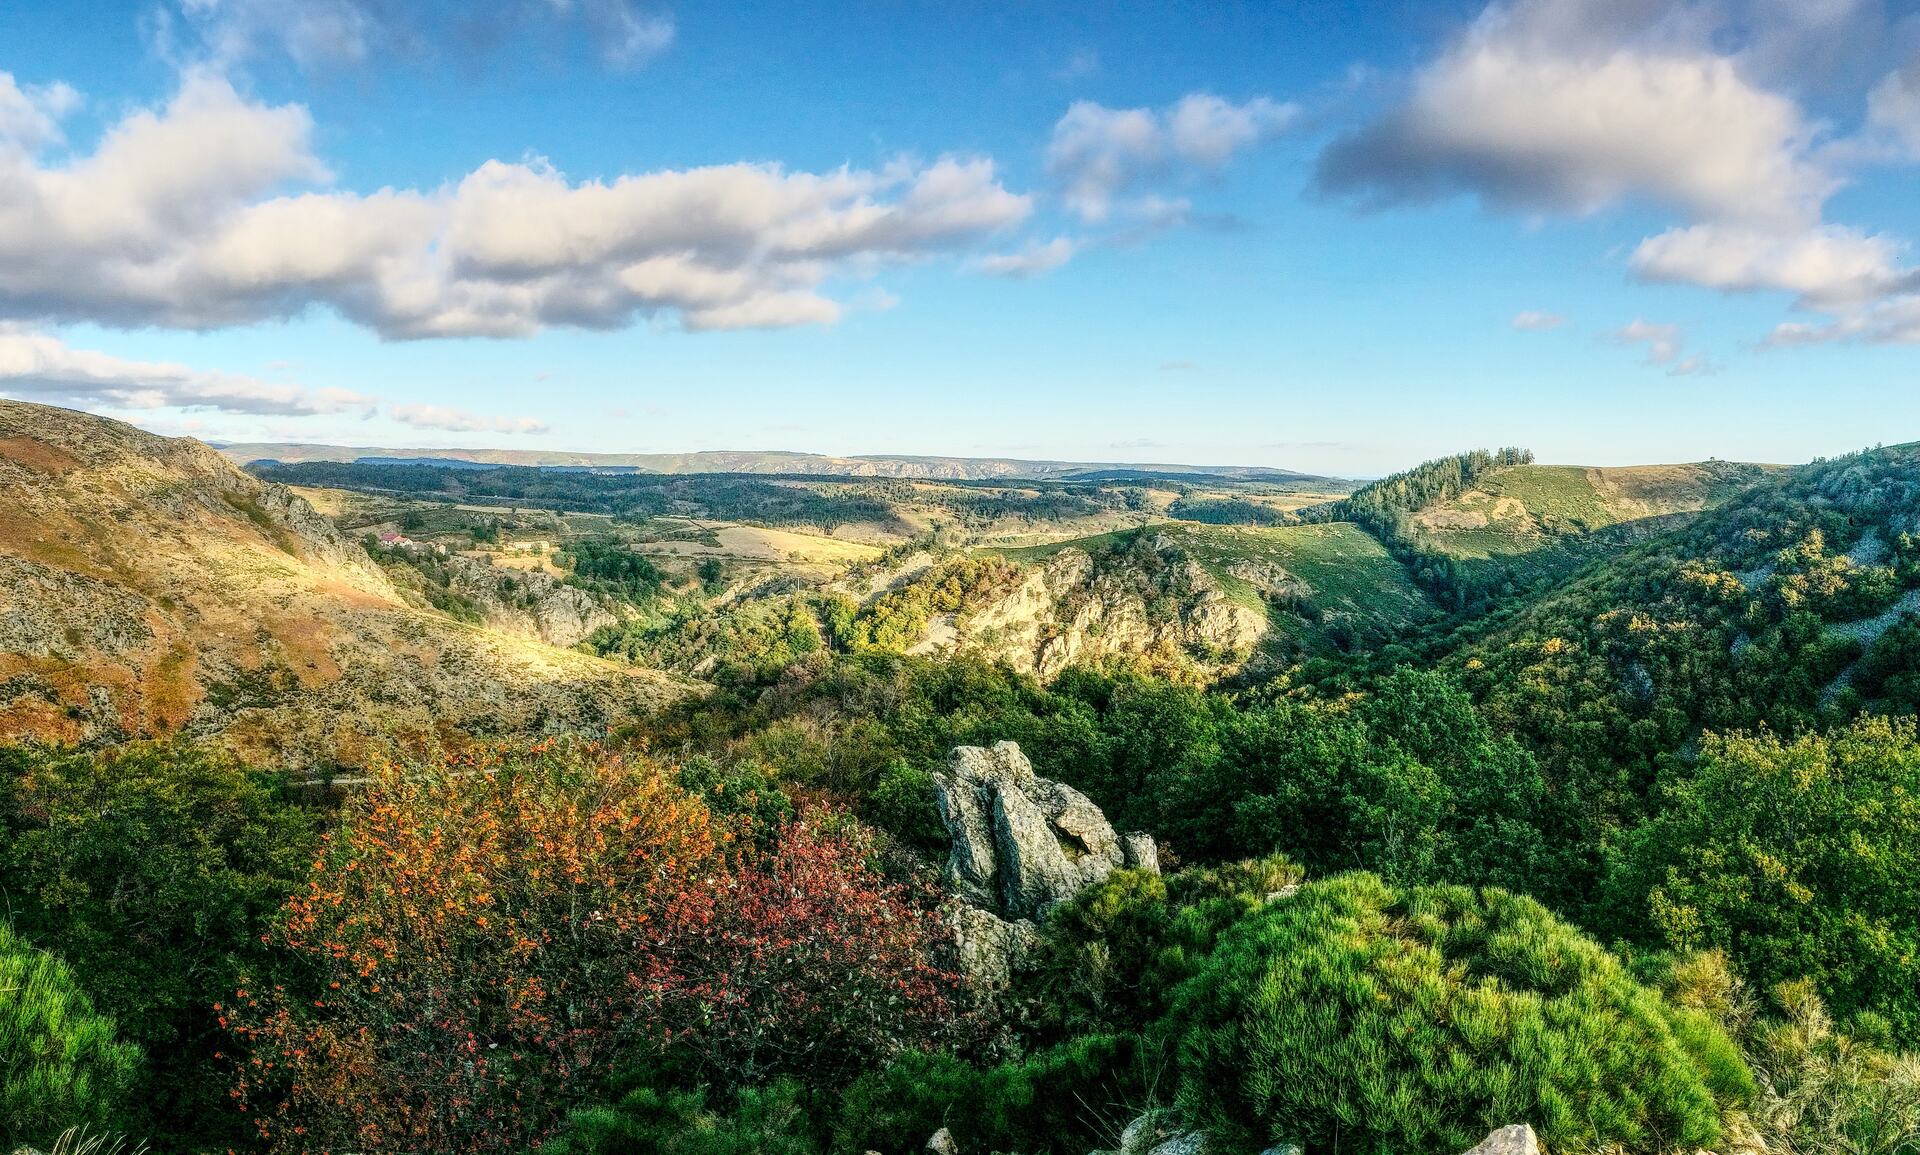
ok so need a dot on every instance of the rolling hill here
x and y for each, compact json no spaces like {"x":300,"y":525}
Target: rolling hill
{"x":759,"y":462}
{"x":148,"y":586}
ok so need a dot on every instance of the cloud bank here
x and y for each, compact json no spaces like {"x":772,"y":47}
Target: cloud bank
{"x":212,"y":211}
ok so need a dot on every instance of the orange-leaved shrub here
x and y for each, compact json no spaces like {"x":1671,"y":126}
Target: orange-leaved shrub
{"x":483,"y":941}
{"x":479,"y":937}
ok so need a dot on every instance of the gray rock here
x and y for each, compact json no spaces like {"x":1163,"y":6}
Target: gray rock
{"x":1187,"y":1143}
{"x":941,"y":1143}
{"x":1139,"y":852}
{"x":1140,"y":1134}
{"x":989,"y":949}
{"x":1022,"y":844}
{"x":1034,"y":872}
{"x":1517,"y":1139}
{"x":1285,"y":1149}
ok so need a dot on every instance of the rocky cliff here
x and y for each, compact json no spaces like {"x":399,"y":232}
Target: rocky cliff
{"x":147,"y":586}
{"x":1148,"y":602}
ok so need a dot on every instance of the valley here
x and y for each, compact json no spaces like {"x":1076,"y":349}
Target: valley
{"x":1206,"y":713}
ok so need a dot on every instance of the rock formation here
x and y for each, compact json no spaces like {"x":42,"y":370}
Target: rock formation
{"x":1021,"y":845}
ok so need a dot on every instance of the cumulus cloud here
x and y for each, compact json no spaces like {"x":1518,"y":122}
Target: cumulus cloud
{"x":38,"y":367}
{"x":1548,"y":106}
{"x":1533,"y":321}
{"x":213,"y":211}
{"x":1031,"y":261}
{"x":30,"y":116}
{"x":320,"y":35}
{"x":1894,"y":321}
{"x":1826,"y":267}
{"x":1575,"y":106}
{"x":1099,"y":154}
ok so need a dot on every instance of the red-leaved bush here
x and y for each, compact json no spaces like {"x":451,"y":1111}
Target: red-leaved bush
{"x":813,"y":963}
{"x":482,"y":940}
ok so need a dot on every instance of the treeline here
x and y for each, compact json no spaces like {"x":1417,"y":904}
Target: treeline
{"x":1386,"y":509}
{"x":726,"y":497}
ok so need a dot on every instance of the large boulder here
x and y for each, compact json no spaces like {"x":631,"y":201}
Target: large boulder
{"x":1023,"y":844}
{"x":1020,"y":846}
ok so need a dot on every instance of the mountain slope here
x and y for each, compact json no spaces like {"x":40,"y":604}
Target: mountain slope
{"x":1791,"y":605}
{"x":149,"y":586}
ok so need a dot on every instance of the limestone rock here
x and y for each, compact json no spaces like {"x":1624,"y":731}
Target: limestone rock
{"x":1020,"y":845}
{"x":1517,"y":1139}
{"x":941,"y":1143}
{"x":989,"y":948}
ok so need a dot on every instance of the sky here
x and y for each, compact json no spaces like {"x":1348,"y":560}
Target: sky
{"x":1340,"y":237}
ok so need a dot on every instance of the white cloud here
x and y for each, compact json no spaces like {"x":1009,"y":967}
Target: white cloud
{"x":1893,"y":112}
{"x":1662,"y":340}
{"x":1546,"y":106}
{"x":1099,"y":153}
{"x":212,"y":211}
{"x":1828,"y":266}
{"x":1031,"y":261}
{"x":1894,"y":321}
{"x":30,"y":117}
{"x":35,"y":366}
{"x":1533,"y":321}
{"x":460,"y":421}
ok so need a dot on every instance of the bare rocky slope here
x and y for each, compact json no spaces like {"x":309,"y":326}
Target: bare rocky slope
{"x":148,"y":586}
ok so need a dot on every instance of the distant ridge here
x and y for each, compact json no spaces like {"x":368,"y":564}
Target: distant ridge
{"x":772,"y":461}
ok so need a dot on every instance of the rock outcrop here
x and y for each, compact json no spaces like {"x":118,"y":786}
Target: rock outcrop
{"x":1156,"y":602}
{"x":1021,"y":845}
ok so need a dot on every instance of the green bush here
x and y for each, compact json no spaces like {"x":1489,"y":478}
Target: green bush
{"x":60,"y":1060}
{"x":1397,"y":1022}
{"x":1060,"y":1101}
{"x":1800,"y":859}
{"x":765,"y":1121}
{"x":153,"y":870}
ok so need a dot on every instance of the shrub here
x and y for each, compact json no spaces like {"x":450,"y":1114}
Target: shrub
{"x":60,"y":1061}
{"x":483,"y":937}
{"x":812,"y":964}
{"x":154,"y":870}
{"x":764,"y":1121}
{"x":1061,"y":1100}
{"x":1800,"y":859}
{"x":1391,"y":1022}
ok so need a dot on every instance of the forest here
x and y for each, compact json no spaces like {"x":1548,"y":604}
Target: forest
{"x":1633,"y":859}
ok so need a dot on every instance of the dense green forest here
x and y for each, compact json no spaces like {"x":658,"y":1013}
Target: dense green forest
{"x":1632,"y":859}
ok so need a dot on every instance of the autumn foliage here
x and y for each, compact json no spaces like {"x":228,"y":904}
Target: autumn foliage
{"x":486,"y":939}
{"x":813,"y":965}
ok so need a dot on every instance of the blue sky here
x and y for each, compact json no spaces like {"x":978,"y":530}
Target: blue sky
{"x":1332,"y":237}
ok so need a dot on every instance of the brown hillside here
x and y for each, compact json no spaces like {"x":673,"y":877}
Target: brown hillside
{"x":147,"y":586}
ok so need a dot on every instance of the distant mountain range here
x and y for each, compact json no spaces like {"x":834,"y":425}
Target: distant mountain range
{"x":770,"y":462}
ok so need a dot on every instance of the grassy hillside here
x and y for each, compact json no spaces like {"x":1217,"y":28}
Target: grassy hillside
{"x":1520,"y":509}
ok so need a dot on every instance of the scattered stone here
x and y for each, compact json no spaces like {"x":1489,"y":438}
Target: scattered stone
{"x":1188,"y":1143}
{"x":1285,"y":1149}
{"x":941,"y":1143}
{"x":1517,"y":1139}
